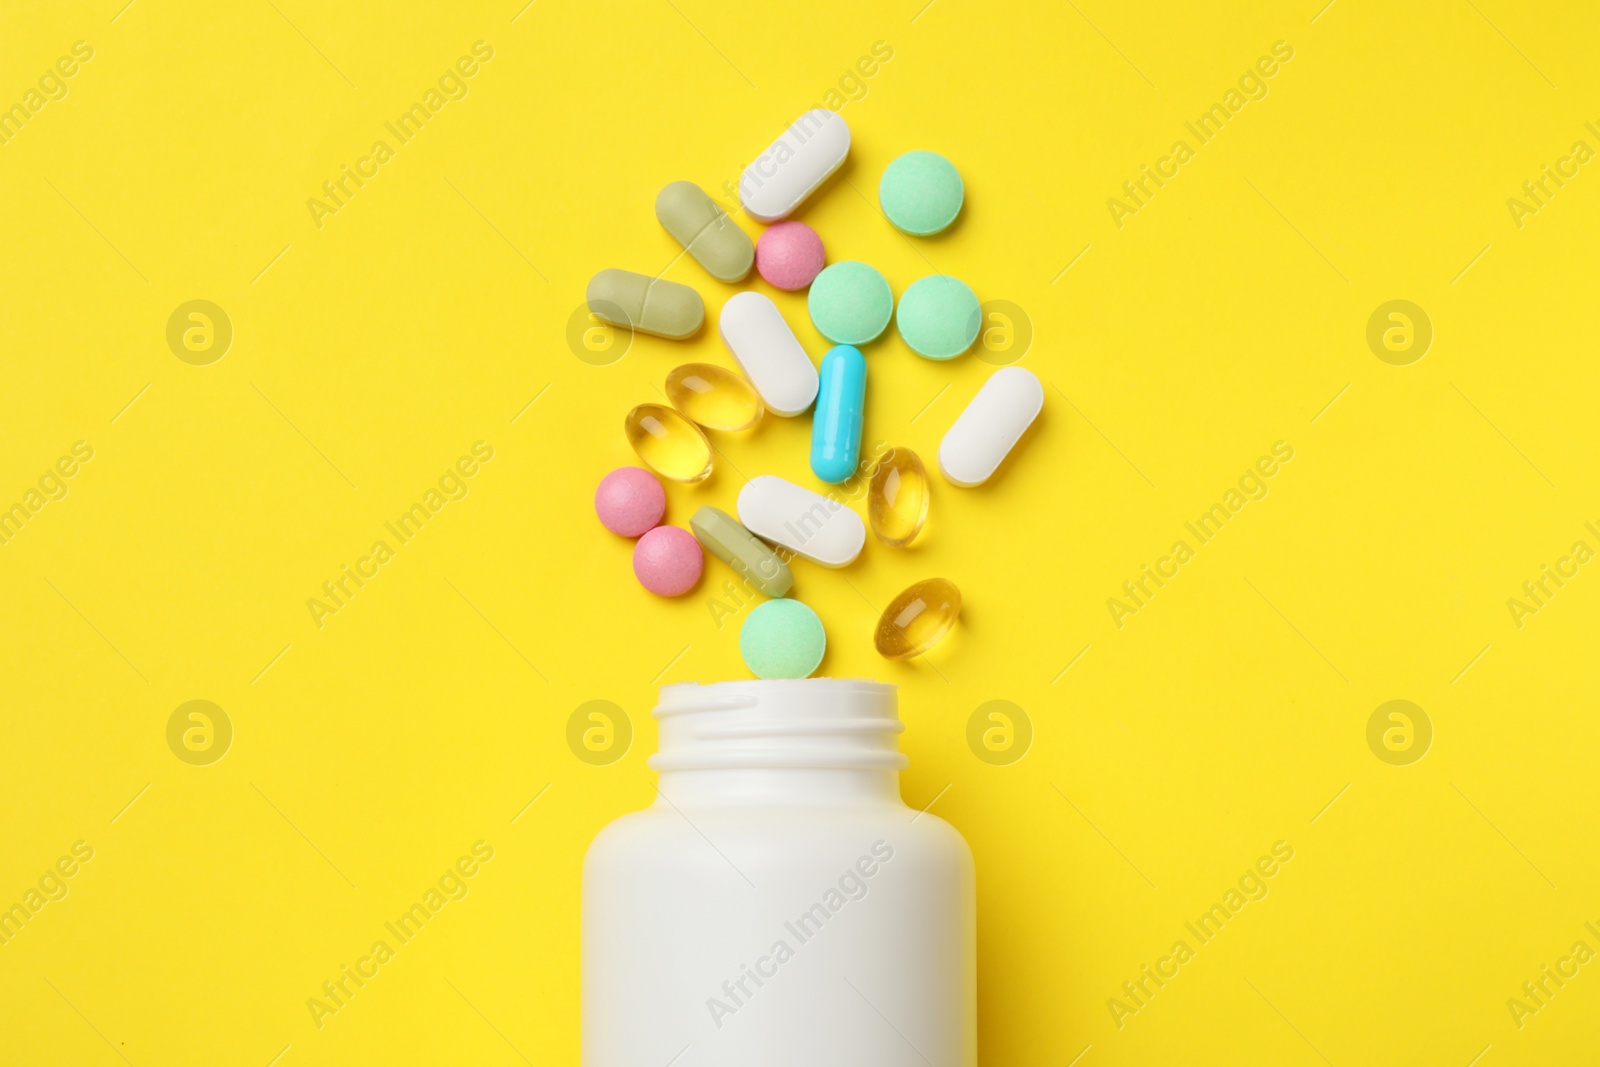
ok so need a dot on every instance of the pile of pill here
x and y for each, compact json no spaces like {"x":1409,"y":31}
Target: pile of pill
{"x":852,"y":305}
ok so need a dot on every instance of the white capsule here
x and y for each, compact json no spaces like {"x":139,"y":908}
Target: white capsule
{"x":768,"y":352}
{"x":813,"y":526}
{"x":990,"y":426}
{"x":794,"y":165}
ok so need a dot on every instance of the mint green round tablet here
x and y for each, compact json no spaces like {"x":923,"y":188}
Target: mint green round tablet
{"x":782,"y":639}
{"x":921,"y":192}
{"x":938,"y":316}
{"x":850,"y":303}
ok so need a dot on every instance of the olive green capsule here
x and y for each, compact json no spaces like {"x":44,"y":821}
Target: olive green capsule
{"x":649,"y":305}
{"x":705,"y":231}
{"x":721,"y":534}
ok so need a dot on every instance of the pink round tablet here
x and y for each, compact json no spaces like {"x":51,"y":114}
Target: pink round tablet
{"x":789,"y":255}
{"x":630,"y":501}
{"x":667,"y":560}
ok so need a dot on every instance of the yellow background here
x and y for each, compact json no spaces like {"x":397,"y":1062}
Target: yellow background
{"x":1228,"y":314}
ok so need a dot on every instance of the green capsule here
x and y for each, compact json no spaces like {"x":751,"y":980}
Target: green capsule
{"x":721,"y":535}
{"x":649,"y":305}
{"x":706,"y":231}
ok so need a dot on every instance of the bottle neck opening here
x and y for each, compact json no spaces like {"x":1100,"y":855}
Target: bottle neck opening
{"x":780,"y":741}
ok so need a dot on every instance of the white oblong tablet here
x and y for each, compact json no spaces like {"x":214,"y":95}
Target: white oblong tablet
{"x":768,"y":352}
{"x":794,"y":165}
{"x":809,"y":524}
{"x":990,"y":426}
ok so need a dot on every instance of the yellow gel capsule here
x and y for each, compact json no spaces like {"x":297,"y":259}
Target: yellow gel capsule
{"x":669,"y":444}
{"x":714,"y":397}
{"x":897,"y":500}
{"x":917,"y":619}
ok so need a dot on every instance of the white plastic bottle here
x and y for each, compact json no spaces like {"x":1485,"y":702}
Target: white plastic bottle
{"x":779,"y":904}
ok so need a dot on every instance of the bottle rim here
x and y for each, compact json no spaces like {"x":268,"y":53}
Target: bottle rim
{"x":827,"y":723}
{"x":682,"y":697}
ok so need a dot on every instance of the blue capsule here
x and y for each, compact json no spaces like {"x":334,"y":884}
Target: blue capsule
{"x":836,"y":422}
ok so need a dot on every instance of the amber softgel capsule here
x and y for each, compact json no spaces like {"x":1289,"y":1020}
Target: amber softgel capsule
{"x":897,"y":499}
{"x":918,"y":618}
{"x":668,"y":443}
